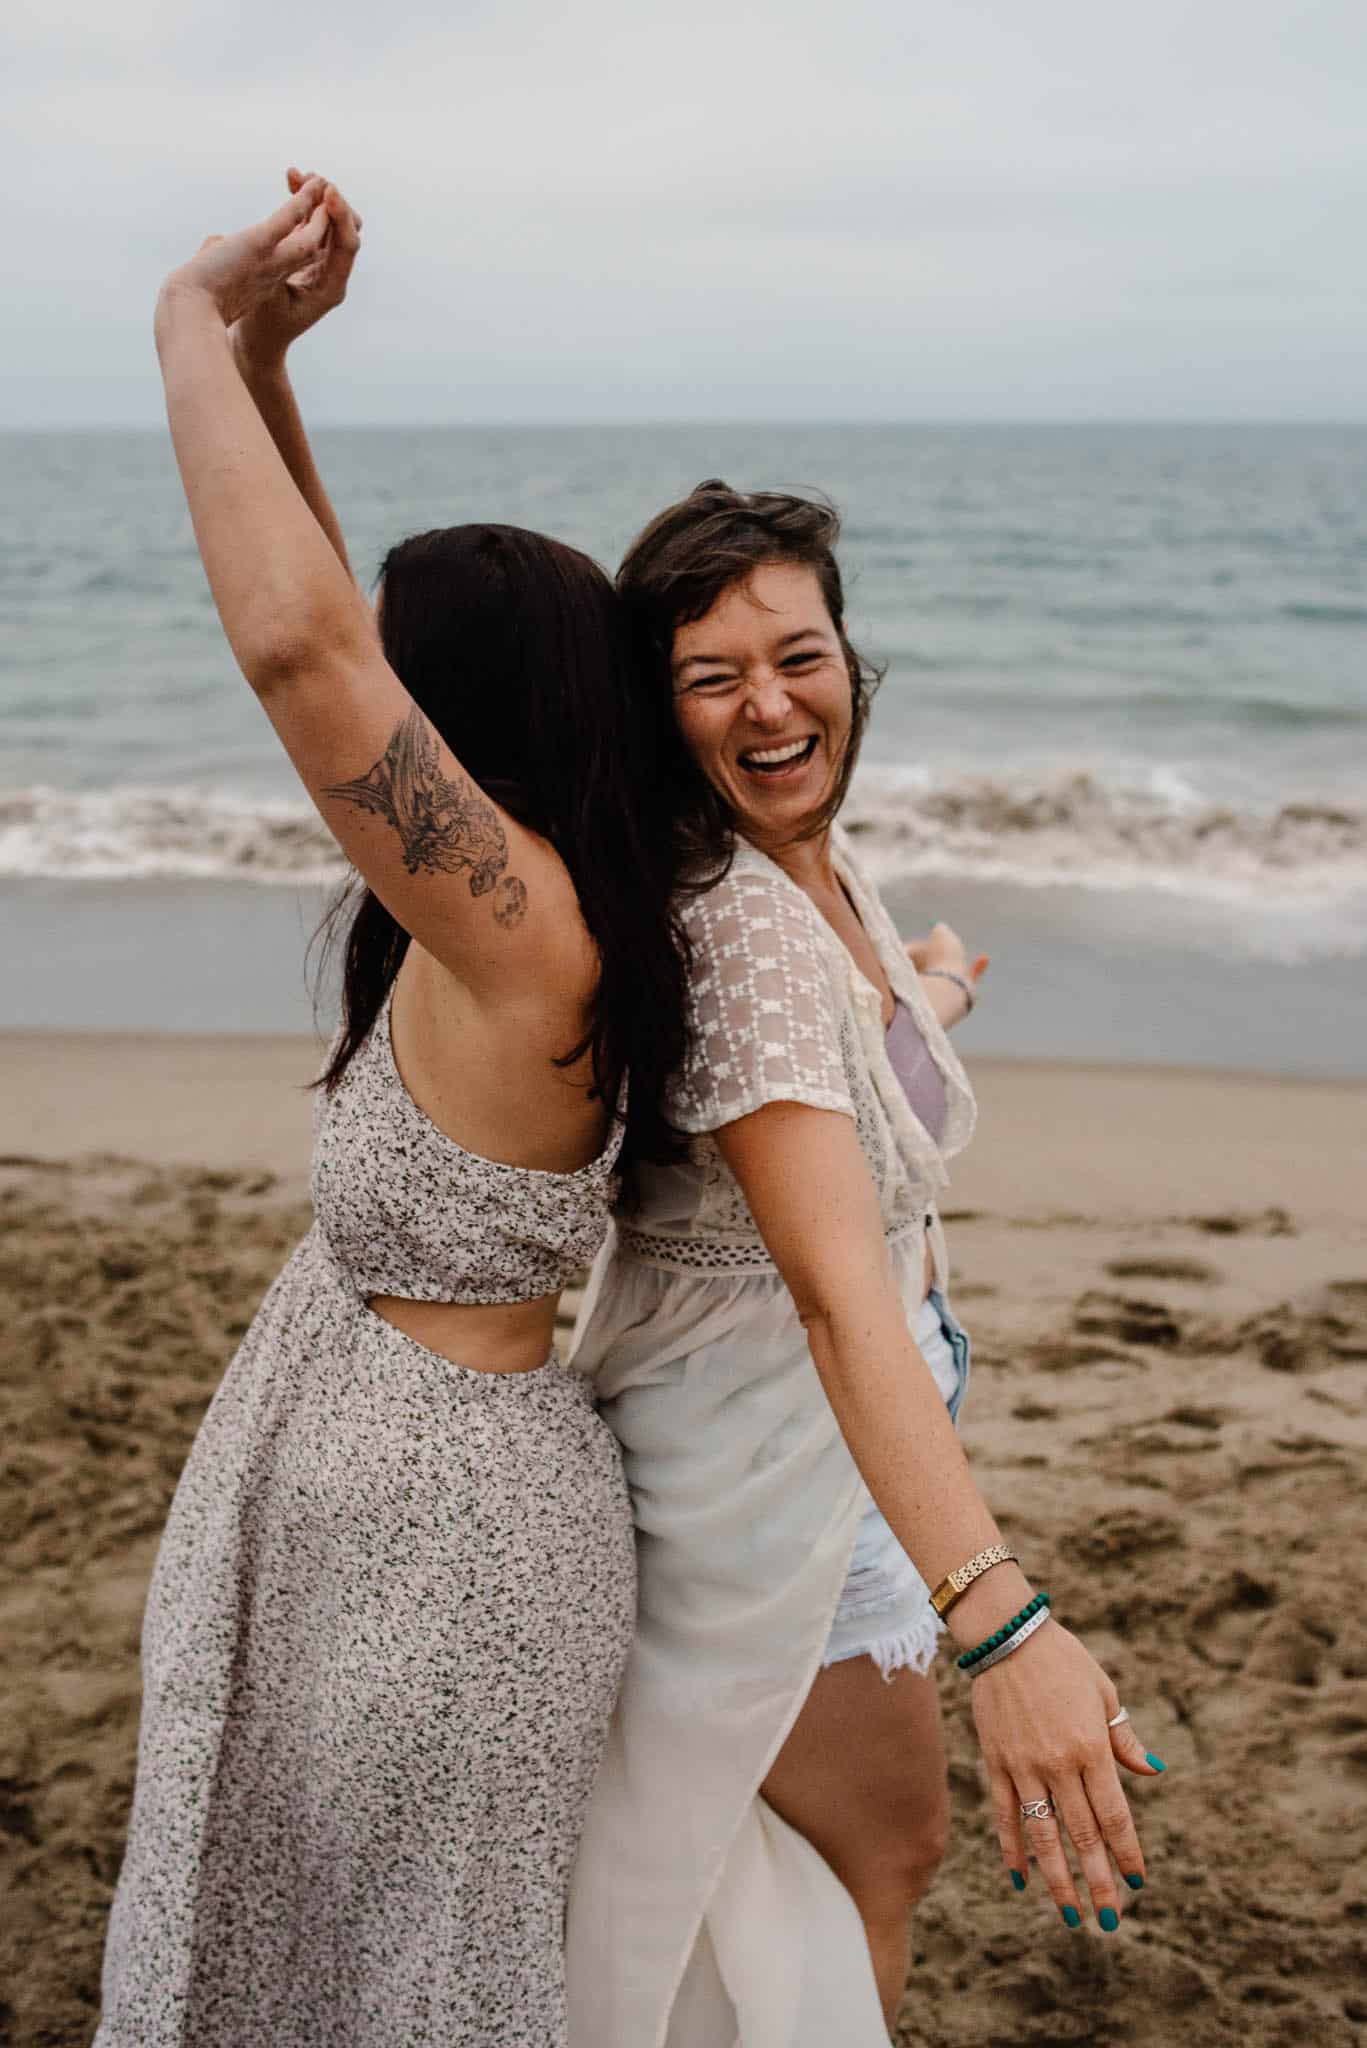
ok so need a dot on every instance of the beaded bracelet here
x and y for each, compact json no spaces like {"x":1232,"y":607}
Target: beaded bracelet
{"x":1012,"y":1643}
{"x":1003,"y":1634}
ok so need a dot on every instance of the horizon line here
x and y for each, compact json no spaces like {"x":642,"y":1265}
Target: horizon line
{"x":740,"y":421}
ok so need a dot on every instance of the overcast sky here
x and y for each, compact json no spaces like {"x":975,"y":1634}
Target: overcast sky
{"x":801,"y":209}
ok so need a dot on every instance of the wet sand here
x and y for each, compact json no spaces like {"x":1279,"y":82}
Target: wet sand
{"x":1166,"y":1278}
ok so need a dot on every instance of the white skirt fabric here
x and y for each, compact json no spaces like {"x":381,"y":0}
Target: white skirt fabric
{"x":697,"y":1918}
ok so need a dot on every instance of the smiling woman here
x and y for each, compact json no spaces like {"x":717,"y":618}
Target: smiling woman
{"x":772,"y":1343}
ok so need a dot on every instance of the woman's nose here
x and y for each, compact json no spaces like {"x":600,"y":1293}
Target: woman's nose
{"x":767,"y":700}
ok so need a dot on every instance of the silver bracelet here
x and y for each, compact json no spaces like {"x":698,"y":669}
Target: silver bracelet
{"x":1012,"y":1643}
{"x":959,"y":981}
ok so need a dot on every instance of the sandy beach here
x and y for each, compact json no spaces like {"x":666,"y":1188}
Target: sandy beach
{"x":1165,"y":1273}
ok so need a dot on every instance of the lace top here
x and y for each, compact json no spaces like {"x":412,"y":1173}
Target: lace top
{"x":780,"y":1013}
{"x":406,"y":1210}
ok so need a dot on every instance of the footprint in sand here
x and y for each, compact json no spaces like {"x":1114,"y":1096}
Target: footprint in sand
{"x":1287,"y":1340}
{"x":1345,"y":1323}
{"x":1290,"y":1649}
{"x":1236,"y":1223}
{"x":1066,"y":1355}
{"x":16,"y":1812}
{"x":1341,"y":1724}
{"x":1188,"y":1417}
{"x":1126,"y":1318}
{"x":1222,"y":1627}
{"x":1269,"y":1991}
{"x":1194,"y":1270}
{"x":1124,"y":1533}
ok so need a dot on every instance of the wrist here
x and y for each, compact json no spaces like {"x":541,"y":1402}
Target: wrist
{"x":954,"y":990}
{"x":988,"y":1602}
{"x":948,"y":1004}
{"x":255,"y":364}
{"x":181,"y":303}
{"x":1019,"y":1638}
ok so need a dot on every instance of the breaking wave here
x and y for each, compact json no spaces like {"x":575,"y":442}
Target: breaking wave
{"x":1077,"y":829}
{"x":1067,"y":829}
{"x":135,"y":834}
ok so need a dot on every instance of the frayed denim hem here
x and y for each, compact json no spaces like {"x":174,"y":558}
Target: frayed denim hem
{"x":906,"y":1649}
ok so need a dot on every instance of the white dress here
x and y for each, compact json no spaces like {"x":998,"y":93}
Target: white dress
{"x":698,"y":1919}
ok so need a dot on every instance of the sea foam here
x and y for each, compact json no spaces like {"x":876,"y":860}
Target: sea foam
{"x":1077,"y":829}
{"x":1071,"y":828}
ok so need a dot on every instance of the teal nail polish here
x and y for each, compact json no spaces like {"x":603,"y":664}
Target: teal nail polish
{"x":1071,"y":1916}
{"x":1018,"y":1880}
{"x":1134,"y":1881}
{"x":1155,"y":1761}
{"x":1109,"y":1919}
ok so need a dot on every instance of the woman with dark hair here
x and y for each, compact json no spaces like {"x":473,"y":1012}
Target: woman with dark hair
{"x":772,"y":1343}
{"x":396,"y":1588}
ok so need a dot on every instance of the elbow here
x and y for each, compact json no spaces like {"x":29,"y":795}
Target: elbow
{"x":813,"y":1312}
{"x":835,"y":1315}
{"x":276,"y":663}
{"x":847,"y":1303}
{"x":292,"y":652}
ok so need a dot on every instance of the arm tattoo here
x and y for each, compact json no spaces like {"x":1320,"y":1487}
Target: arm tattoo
{"x":447,"y":827}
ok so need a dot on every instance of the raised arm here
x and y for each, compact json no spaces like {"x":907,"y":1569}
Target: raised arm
{"x":261,"y":341}
{"x":1042,"y":1713}
{"x":489,"y":899}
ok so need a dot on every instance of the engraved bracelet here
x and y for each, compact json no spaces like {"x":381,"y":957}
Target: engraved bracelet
{"x":971,"y":1659}
{"x":1013,"y":1642}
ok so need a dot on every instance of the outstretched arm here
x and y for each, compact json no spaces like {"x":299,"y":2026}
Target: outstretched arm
{"x":942,"y":959}
{"x":486,"y":897}
{"x":261,"y":341}
{"x":1041,"y":1713}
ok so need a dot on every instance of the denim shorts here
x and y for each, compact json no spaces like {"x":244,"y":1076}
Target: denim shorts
{"x":884,"y":1610}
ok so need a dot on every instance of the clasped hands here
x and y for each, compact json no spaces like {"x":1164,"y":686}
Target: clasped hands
{"x":271,"y":282}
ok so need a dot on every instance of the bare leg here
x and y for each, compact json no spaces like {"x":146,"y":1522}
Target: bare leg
{"x":862,"y":1776}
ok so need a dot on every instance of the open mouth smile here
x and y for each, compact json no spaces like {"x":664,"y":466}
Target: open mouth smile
{"x":772,"y":762}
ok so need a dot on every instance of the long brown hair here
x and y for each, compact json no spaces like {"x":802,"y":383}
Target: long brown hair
{"x":524,"y":659}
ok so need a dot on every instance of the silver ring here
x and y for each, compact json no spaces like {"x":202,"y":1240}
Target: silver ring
{"x":1116,"y":1719}
{"x":1037,"y":1809}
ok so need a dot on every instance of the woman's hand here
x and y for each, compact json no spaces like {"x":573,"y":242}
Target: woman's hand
{"x":299,"y":301}
{"x":1042,"y":1716}
{"x":945,"y":951}
{"x":234,"y":273}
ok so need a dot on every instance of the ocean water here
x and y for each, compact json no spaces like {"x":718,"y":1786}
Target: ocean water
{"x":1124,"y":661}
